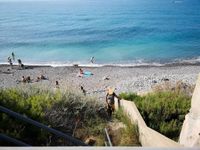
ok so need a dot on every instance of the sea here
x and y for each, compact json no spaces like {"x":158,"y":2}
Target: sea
{"x":114,"y":32}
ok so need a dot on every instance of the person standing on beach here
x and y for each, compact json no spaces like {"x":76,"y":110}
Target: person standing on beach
{"x":10,"y":61}
{"x":13,"y":56}
{"x":92,"y":59}
{"x":57,"y":85}
{"x":83,"y":90}
{"x":20,"y":64}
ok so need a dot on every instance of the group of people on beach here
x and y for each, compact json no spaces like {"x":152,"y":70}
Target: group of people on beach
{"x":110,"y":95}
{"x":11,"y":59}
{"x":28,"y":79}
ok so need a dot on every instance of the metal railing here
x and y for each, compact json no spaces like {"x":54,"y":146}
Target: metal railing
{"x":108,"y":141}
{"x":71,"y":139}
{"x":12,"y":140}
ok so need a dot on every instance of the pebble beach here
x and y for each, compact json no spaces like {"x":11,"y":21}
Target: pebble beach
{"x":123,"y":79}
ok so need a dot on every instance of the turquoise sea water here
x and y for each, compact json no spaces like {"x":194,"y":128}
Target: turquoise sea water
{"x":114,"y":32}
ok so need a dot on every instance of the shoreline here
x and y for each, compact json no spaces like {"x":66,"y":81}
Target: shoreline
{"x":125,"y":79}
{"x":95,"y":65}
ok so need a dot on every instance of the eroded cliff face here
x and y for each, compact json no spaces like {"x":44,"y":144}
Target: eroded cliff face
{"x":190,"y":134}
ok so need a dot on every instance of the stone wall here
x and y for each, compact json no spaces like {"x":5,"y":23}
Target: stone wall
{"x":148,"y":137}
{"x":190,"y":133}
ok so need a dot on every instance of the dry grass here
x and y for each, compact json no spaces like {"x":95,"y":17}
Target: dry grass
{"x":178,"y":87}
{"x":129,"y":135}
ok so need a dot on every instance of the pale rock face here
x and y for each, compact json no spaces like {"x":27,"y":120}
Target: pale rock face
{"x":190,"y":134}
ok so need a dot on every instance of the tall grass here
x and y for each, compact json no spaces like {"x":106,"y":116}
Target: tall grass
{"x":164,"y":109}
{"x":59,"y":110}
{"x":129,"y":136}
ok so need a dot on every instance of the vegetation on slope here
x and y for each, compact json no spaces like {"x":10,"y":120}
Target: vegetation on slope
{"x":60,"y":110}
{"x":129,"y":135}
{"x":165,"y":108}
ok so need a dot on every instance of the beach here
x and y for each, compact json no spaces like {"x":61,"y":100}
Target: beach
{"x":124,"y":79}
{"x":124,"y":34}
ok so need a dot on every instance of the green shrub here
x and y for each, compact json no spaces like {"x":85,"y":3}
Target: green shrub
{"x":162,"y":111}
{"x":129,"y":136}
{"x":60,"y":110}
{"x":129,"y":96}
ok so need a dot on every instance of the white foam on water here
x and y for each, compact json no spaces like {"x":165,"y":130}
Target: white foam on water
{"x":138,"y":63}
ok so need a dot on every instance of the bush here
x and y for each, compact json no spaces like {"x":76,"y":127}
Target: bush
{"x":129,"y":136}
{"x":129,"y":96}
{"x":163,"y":111}
{"x":60,"y":110}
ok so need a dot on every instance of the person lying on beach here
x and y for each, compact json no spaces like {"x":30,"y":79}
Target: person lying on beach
{"x":41,"y":77}
{"x":38,"y":79}
{"x":25,"y":79}
{"x":81,"y":73}
{"x":28,"y":79}
{"x":84,"y":73}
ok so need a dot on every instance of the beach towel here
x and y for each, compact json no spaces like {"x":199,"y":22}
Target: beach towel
{"x":87,"y":74}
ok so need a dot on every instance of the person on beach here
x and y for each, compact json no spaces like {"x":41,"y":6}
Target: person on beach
{"x":38,"y":79}
{"x":81,"y":73}
{"x":41,"y":77}
{"x":13,"y":56}
{"x":84,"y":73}
{"x":57,"y":85}
{"x":92,"y":59}
{"x":10,"y":61}
{"x":83,"y":90}
{"x":26,"y":79}
{"x":23,"y":79}
{"x":110,"y":100}
{"x":20,"y":63}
